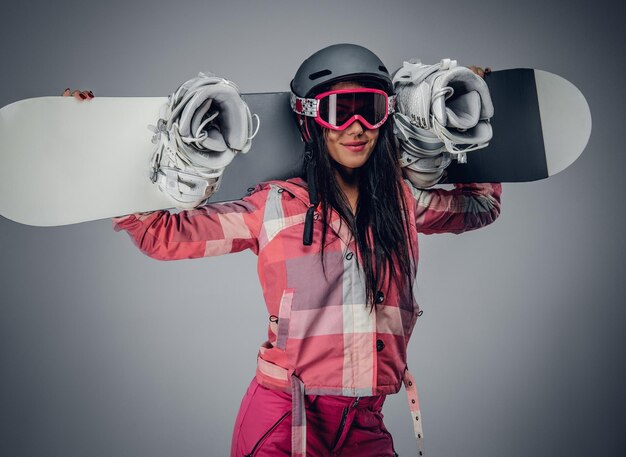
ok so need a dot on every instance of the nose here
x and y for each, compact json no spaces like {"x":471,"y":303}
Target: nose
{"x":356,"y":128}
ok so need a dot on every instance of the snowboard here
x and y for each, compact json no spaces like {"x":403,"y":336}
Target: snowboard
{"x":65,"y":161}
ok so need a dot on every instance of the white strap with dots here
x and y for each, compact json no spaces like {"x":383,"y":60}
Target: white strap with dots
{"x":414,"y":406}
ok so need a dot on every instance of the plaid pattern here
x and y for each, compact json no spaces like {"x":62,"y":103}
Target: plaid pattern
{"x":320,"y":329}
{"x":298,"y":419}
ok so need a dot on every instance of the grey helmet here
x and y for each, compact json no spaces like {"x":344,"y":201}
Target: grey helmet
{"x":340,"y":62}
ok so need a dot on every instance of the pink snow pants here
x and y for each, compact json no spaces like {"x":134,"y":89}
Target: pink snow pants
{"x":336,"y":426}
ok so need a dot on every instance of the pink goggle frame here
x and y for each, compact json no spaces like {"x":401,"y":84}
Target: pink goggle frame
{"x":338,"y":109}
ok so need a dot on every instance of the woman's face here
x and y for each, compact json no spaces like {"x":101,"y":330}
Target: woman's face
{"x":351,"y":147}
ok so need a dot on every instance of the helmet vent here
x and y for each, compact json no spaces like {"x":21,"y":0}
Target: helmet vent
{"x":383,"y":68}
{"x":319,"y":74}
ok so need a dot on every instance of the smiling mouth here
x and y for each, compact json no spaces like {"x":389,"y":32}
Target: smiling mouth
{"x":355,"y":146}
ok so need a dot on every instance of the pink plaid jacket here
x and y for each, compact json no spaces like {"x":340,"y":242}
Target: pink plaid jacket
{"x":320,"y":330}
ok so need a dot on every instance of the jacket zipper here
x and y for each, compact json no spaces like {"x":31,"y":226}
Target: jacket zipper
{"x":270,"y":430}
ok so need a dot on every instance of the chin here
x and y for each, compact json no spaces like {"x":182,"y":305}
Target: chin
{"x":351,"y":164}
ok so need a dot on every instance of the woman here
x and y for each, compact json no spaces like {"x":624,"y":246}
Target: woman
{"x":337,"y":257}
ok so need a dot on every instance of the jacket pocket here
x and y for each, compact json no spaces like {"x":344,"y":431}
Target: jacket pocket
{"x":284,"y":315}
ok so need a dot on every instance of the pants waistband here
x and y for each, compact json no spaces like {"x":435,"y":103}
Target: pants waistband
{"x":299,"y":400}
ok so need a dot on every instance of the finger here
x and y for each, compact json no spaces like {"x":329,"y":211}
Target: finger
{"x":78,"y":95}
{"x":66,"y":92}
{"x":87,"y":94}
{"x":477,"y":70}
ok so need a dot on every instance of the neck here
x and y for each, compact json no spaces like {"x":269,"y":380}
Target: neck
{"x":348,"y":182}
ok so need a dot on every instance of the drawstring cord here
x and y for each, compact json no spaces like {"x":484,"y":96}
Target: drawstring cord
{"x":307,"y":237}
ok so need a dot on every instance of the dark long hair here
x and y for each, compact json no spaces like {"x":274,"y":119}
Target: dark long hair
{"x":380,"y":225}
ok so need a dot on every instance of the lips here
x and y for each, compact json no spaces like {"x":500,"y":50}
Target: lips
{"x":355,"y":146}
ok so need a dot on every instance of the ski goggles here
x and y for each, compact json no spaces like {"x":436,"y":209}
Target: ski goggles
{"x":338,"y":109}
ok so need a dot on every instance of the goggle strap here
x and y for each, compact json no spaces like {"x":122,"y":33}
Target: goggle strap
{"x":391,"y":104}
{"x":304,"y":106}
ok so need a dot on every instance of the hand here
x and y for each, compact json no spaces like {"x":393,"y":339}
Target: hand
{"x":480,"y":71}
{"x":78,"y":95}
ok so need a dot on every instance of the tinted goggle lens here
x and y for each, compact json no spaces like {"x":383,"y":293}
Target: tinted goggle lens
{"x":339,"y":109}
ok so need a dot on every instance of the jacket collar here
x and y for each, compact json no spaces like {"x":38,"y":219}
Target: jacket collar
{"x":299,"y":189}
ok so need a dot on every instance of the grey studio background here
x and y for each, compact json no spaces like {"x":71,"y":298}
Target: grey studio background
{"x":520,"y":351}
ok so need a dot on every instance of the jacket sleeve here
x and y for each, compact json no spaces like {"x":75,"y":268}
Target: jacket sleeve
{"x":466,"y":207}
{"x":208,"y":230}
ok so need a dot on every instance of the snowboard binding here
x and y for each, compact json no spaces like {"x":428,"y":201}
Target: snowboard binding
{"x":203,"y":125}
{"x":443,"y":112}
